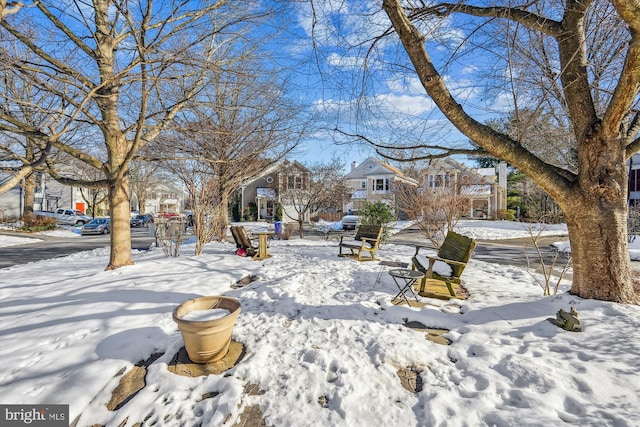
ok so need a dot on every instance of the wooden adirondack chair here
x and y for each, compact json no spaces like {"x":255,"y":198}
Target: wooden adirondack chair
{"x":242,"y":240}
{"x":448,"y":266}
{"x":367,"y":239}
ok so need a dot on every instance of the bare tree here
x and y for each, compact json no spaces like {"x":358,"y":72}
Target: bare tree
{"x":122,"y":71}
{"x":144,"y":177}
{"x":434,"y":210}
{"x":605,"y":135}
{"x":324,"y":188}
{"x":244,"y":121}
{"x":27,"y":154}
{"x":95,"y":197}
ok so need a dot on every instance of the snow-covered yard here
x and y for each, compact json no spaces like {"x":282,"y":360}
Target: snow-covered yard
{"x":323,"y":344}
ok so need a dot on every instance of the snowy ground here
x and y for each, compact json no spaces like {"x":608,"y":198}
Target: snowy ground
{"x":322,"y":342}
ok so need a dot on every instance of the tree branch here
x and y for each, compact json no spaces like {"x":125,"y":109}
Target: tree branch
{"x":528,"y":19}
{"x":553,"y":179}
{"x":9,"y":8}
{"x":445,"y":151}
{"x":26,"y":170}
{"x":96,"y":184}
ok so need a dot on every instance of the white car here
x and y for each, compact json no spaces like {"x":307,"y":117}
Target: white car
{"x":350,"y":222}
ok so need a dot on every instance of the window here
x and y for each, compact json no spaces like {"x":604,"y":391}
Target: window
{"x":381,"y":184}
{"x":440,"y":180}
{"x":363,"y":185}
{"x":634,"y":180}
{"x":294,"y":182}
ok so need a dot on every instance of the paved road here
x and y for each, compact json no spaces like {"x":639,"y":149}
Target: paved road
{"x":54,"y":247}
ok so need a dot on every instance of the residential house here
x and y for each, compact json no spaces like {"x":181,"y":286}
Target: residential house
{"x":163,"y":199}
{"x":265,"y":189}
{"x":372,"y":181}
{"x":486,"y":187}
{"x":49,"y":195}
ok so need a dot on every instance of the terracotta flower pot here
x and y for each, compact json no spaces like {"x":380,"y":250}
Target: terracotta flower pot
{"x":207,"y":340}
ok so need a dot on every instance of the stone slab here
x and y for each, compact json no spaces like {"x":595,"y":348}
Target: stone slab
{"x":182,"y":365}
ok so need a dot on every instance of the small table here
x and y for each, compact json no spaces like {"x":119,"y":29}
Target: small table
{"x":405,"y":279}
{"x":384,"y":264}
{"x":262,"y":246}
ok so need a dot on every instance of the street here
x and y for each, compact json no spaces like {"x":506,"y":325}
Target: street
{"x":55,"y":247}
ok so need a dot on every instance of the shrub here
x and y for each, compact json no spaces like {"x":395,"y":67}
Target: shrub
{"x":377,"y":213}
{"x":289,"y":230}
{"x":278,"y":214}
{"x":251,"y":213}
{"x":507,"y":214}
{"x":33,"y":222}
{"x":235,"y":212}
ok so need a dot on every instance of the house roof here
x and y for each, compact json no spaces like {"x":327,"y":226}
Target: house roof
{"x":274,"y":167}
{"x":269,"y":193}
{"x":359,"y":194}
{"x":477,"y":189}
{"x":373,"y":167}
{"x":472,"y":176}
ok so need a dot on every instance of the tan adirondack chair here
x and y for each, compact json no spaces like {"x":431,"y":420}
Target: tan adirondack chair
{"x":367,"y":239}
{"x":453,"y":256}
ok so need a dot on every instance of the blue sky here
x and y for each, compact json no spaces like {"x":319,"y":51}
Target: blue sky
{"x":386,"y":103}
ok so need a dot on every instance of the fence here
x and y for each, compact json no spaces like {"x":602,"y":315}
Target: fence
{"x":330,"y":216}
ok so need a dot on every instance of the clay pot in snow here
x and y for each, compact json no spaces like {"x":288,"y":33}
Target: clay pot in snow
{"x":206,"y":325}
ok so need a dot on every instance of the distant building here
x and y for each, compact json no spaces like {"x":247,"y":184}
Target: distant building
{"x":49,"y":195}
{"x":265,"y":189}
{"x":163,"y":199}
{"x":486,"y":187}
{"x":372,"y":181}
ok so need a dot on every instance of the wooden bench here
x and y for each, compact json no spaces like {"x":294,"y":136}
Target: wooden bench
{"x":367,"y":239}
{"x":448,"y":266}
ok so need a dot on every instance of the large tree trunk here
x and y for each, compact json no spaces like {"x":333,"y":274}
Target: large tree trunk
{"x":29,"y":193}
{"x":601,"y":265}
{"x":594,"y":200}
{"x":596,"y":215}
{"x":221,"y":213}
{"x":120,"y":225}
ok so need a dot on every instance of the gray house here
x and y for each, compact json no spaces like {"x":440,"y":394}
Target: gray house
{"x":264,"y":190}
{"x":49,"y":195}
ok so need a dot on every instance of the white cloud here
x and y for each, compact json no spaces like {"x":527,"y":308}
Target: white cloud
{"x":337,"y":60}
{"x":407,"y":104}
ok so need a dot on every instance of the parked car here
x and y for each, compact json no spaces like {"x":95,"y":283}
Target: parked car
{"x":141,"y":220}
{"x":66,"y":216}
{"x":350,"y":222}
{"x":96,"y":226}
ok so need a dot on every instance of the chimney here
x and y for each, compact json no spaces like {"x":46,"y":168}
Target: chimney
{"x":354,"y":165}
